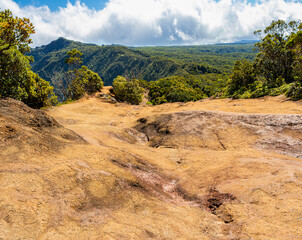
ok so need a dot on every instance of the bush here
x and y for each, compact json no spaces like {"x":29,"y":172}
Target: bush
{"x":276,"y":69}
{"x":283,"y":89}
{"x":86,"y":81}
{"x":19,"y":82}
{"x":16,"y":78}
{"x":295,"y":91}
{"x":241,"y":81}
{"x":175,"y":89}
{"x":128,"y":90}
{"x":41,"y":94}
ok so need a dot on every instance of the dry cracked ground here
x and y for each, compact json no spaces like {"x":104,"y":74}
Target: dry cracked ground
{"x":213,"y":169}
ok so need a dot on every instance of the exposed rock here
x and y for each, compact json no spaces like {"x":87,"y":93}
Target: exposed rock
{"x":22,"y":126}
{"x":279,"y":133}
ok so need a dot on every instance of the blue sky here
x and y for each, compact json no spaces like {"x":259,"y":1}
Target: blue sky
{"x":151,"y":22}
{"x":55,"y":4}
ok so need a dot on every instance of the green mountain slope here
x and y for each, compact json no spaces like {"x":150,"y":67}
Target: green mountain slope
{"x":222,"y":56}
{"x":111,"y":61}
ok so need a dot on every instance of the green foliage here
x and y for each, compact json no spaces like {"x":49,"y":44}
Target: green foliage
{"x":19,"y":82}
{"x":16,"y":78}
{"x":79,"y":81}
{"x":201,"y":67}
{"x":276,"y":69}
{"x":41,"y":94}
{"x":74,"y":58}
{"x":14,"y":32}
{"x":276,"y":58}
{"x":128,"y":90}
{"x":295,"y":44}
{"x":220,"y":57}
{"x":241,"y":80}
{"x":283,"y":89}
{"x":93,"y":83}
{"x":255,"y":90}
{"x":295,"y":91}
{"x":184,"y":89}
{"x":150,"y":63}
{"x":86,"y":81}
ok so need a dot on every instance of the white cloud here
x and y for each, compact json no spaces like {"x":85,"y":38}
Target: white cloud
{"x":156,"y":22}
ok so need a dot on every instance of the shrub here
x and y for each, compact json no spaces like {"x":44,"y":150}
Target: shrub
{"x":295,"y":91}
{"x":78,"y":80}
{"x":241,"y":81}
{"x":175,"y":89}
{"x":16,"y":78}
{"x":128,"y":90}
{"x":19,"y":82}
{"x":86,"y":81}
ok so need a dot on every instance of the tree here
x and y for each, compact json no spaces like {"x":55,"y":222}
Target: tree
{"x":86,"y":81}
{"x":79,"y":80}
{"x":128,"y":90}
{"x":295,"y":43}
{"x":277,"y":68}
{"x":16,"y":78}
{"x":19,"y":82}
{"x":241,"y":79}
{"x":275,"y":58}
{"x":74,"y":58}
{"x":41,"y":94}
{"x":176,"y":89}
{"x":14,"y":32}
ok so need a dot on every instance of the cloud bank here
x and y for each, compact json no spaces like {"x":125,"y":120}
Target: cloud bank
{"x":156,"y":22}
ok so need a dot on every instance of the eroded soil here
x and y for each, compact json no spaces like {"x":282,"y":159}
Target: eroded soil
{"x":214,"y":169}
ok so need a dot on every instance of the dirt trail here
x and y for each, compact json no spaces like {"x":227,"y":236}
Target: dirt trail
{"x":214,"y":169}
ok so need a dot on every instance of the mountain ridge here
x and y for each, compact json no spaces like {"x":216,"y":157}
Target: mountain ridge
{"x":110,"y":61}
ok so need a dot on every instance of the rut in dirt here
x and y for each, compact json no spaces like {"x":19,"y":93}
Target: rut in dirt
{"x":167,"y":189}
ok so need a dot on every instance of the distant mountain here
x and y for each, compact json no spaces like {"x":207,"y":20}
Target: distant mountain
{"x":111,"y":61}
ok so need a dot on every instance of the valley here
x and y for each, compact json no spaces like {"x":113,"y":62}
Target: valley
{"x":148,"y":63}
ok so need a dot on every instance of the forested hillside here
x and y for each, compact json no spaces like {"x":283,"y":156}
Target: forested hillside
{"x":222,"y":56}
{"x":272,"y":66}
{"x":111,"y":61}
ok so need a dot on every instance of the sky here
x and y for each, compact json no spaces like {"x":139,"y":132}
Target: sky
{"x":55,"y":4}
{"x":151,"y":22}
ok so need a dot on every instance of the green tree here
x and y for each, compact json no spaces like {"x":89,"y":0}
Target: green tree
{"x":14,"y":32}
{"x":128,"y":90}
{"x":86,"y":81}
{"x":276,"y":69}
{"x":295,"y":43}
{"x":241,"y":80}
{"x":74,"y":58}
{"x":175,"y":89}
{"x":41,"y":93}
{"x":275,"y":59}
{"x":16,"y":78}
{"x":80,"y":80}
{"x":71,"y":80}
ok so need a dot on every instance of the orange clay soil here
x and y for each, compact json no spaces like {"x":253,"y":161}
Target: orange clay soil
{"x":213,"y":169}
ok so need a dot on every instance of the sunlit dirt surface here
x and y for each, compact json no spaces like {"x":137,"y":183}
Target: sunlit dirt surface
{"x":214,"y":169}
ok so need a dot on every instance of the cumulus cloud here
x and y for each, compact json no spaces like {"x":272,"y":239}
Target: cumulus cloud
{"x":156,"y":22}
